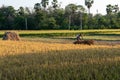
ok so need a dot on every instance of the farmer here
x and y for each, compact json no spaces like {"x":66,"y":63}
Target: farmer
{"x":79,"y":37}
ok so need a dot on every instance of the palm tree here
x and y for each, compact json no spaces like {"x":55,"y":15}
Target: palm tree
{"x":55,"y":4}
{"x":116,"y":9}
{"x":80,"y":10}
{"x":109,"y":9}
{"x":89,"y":3}
{"x":37,"y":7}
{"x":22,"y":13}
{"x":45,"y":3}
{"x":70,"y":10}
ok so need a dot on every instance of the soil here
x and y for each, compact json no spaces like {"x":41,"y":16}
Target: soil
{"x":107,"y":42}
{"x":69,"y":41}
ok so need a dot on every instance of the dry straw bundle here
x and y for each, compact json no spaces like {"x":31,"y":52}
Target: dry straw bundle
{"x":11,"y":36}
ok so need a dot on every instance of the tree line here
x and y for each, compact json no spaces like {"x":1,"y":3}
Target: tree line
{"x":44,"y":16}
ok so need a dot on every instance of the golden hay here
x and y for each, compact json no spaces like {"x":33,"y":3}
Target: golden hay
{"x":23,"y":47}
{"x":11,"y":36}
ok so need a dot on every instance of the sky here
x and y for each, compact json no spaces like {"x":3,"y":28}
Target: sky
{"x":99,"y":5}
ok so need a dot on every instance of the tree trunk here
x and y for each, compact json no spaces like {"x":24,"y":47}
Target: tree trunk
{"x":88,"y":18}
{"x":81,"y":20}
{"x":69,"y":22}
{"x":26,"y":23}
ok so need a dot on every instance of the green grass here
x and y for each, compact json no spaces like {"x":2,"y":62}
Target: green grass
{"x":66,"y":33}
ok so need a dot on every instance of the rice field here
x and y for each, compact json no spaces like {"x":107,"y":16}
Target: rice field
{"x":52,"y":59}
{"x":69,"y":33}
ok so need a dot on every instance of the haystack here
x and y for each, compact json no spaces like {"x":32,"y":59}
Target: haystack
{"x":88,"y":42}
{"x":11,"y":36}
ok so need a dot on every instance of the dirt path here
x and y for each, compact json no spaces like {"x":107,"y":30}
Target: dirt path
{"x":107,"y":42}
{"x":70,"y":41}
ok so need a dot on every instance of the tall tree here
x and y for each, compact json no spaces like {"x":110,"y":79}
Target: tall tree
{"x":112,"y":9}
{"x":70,"y":10}
{"x":80,"y":10}
{"x":24,"y":13}
{"x":44,"y":3}
{"x":7,"y":14}
{"x":116,"y":9}
{"x":109,"y":9}
{"x":89,"y":3}
{"x":28,"y":11}
{"x":21,"y":11}
{"x":54,"y":4}
{"x":37,"y":7}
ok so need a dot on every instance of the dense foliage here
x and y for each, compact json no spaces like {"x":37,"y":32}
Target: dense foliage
{"x":45,"y":16}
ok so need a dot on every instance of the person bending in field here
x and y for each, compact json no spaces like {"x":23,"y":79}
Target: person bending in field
{"x":79,"y":37}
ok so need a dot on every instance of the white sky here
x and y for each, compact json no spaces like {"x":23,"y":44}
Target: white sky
{"x":99,"y":5}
